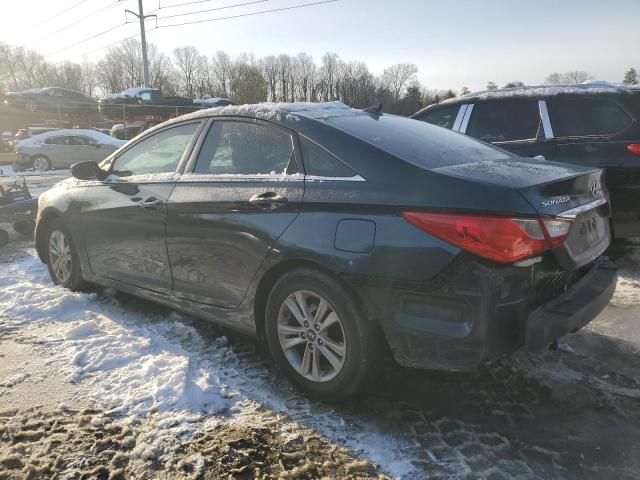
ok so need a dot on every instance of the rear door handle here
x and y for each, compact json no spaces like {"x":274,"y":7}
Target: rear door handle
{"x":151,"y":203}
{"x":268,"y":200}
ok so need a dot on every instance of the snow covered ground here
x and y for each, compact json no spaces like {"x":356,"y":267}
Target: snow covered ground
{"x":183,"y":398}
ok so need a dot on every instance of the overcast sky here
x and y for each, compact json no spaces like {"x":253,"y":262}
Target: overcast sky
{"x":453,"y":43}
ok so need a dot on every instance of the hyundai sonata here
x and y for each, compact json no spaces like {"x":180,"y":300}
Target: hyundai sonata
{"x":337,"y":235}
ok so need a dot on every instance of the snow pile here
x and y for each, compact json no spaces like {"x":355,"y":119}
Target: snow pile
{"x":156,"y":366}
{"x":549,"y":90}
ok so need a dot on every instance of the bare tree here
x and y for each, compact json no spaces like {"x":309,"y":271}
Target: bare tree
{"x":577,"y":76}
{"x":554,"y":78}
{"x":221,"y":67}
{"x":187,"y":61}
{"x":397,"y":76}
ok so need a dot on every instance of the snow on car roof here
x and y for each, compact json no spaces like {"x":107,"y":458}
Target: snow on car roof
{"x":96,"y":135}
{"x":548,"y":91}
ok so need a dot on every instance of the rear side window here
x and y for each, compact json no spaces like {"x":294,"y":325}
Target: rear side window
{"x":242,"y":148}
{"x":577,"y":117}
{"x":442,"y":117}
{"x":504,"y":121}
{"x":318,"y":162}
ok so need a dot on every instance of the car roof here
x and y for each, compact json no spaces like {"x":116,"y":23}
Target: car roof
{"x":540,"y":92}
{"x":77,"y":132}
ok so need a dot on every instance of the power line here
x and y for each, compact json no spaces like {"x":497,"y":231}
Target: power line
{"x":214,"y":9}
{"x":245,"y":14}
{"x":56,"y":15}
{"x":122,"y":40}
{"x":87,"y":39}
{"x":103,"y":9}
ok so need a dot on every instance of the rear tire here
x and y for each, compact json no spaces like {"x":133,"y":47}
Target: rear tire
{"x":41,"y":163}
{"x":63,"y":260}
{"x":318,"y":336}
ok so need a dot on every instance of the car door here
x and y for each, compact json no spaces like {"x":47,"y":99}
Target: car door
{"x":124,"y":216}
{"x":237,"y":197}
{"x":58,"y":150}
{"x":88,"y":149}
{"x":513,"y":124}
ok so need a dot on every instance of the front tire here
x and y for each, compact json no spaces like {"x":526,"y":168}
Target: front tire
{"x":41,"y":163}
{"x":318,"y":336}
{"x":63,"y":260}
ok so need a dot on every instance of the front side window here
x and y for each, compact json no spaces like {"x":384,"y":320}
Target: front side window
{"x":241,"y":148}
{"x":442,"y":117}
{"x":159,"y":153}
{"x":318,"y":162}
{"x":576,"y":117}
{"x":145,"y":97}
{"x":504,"y":121}
{"x":58,"y":141}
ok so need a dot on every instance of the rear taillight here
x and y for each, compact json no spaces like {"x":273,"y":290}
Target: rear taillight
{"x":634,"y":148}
{"x":501,"y":239}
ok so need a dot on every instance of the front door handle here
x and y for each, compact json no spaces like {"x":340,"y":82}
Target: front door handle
{"x":268,"y":200}
{"x":151,"y":203}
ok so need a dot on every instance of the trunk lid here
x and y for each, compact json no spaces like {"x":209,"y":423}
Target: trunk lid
{"x":554,"y":190}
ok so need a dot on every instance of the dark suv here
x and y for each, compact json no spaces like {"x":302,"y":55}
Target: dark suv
{"x":596,"y":125}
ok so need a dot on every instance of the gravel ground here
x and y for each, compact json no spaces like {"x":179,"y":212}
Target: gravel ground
{"x":570,"y":413}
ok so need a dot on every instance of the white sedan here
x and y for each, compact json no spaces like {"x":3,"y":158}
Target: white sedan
{"x":63,"y":148}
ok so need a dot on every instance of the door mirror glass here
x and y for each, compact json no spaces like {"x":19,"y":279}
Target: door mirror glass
{"x":87,"y":171}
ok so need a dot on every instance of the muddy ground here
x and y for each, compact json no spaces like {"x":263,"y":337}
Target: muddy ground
{"x":569,"y":413}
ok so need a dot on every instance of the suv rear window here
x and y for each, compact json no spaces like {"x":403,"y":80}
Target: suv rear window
{"x":442,"y":117}
{"x":576,"y":117}
{"x":504,"y":121}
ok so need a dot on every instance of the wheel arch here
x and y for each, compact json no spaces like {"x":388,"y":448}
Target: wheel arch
{"x":271,"y":276}
{"x":45,"y":218}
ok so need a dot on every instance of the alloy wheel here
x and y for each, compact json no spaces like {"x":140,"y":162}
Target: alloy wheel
{"x":312,"y":336}
{"x":60,"y":256}
{"x":40,"y":164}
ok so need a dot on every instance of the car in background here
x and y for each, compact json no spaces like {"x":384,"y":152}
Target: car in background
{"x":6,"y":140}
{"x":29,"y":132}
{"x":52,"y":99}
{"x":63,"y":148}
{"x":212,"y":102}
{"x":595,"y":125}
{"x":336,"y":235}
{"x":130,"y":130}
{"x":143,"y":101}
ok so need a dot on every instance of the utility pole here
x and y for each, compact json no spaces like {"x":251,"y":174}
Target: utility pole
{"x":145,"y":62}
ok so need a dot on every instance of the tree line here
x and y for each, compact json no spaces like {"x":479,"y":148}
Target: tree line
{"x":244,"y":78}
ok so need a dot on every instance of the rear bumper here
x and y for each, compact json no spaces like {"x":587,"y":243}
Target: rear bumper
{"x":483,"y":313}
{"x":573,"y":310}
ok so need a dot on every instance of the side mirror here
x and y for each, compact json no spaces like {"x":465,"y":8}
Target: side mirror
{"x":87,"y":171}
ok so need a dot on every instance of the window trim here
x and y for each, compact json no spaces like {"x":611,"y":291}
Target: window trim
{"x":150,"y":133}
{"x":458,"y":121}
{"x":191,"y":175}
{"x":465,"y":119}
{"x":546,"y":120}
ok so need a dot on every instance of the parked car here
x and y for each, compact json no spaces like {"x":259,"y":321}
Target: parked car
{"x":596,"y":125}
{"x":143,"y":101}
{"x":212,"y":102}
{"x":6,"y":140}
{"x":29,"y":132}
{"x":131,"y":130}
{"x":63,"y":148}
{"x":52,"y":99}
{"x":336,"y":234}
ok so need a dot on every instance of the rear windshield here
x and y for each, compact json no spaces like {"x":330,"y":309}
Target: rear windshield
{"x":417,"y":142}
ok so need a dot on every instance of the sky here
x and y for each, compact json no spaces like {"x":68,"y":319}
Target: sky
{"x":454,"y":44}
